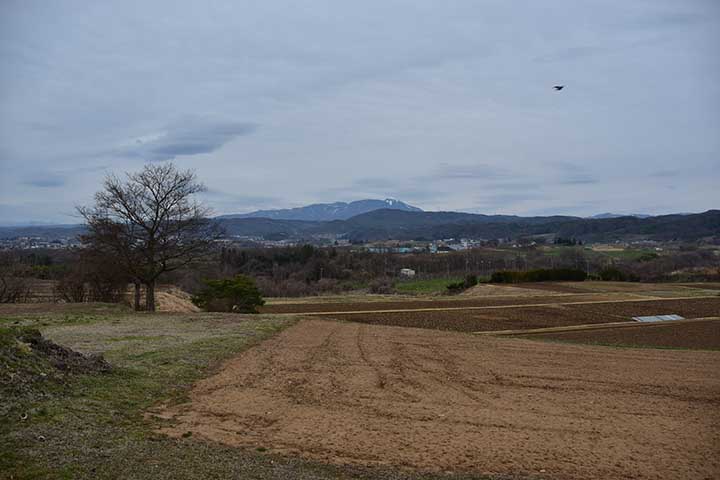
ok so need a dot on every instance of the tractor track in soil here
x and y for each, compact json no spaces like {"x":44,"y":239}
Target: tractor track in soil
{"x":353,"y":393}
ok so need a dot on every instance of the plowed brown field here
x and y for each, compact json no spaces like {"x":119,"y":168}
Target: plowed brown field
{"x":482,"y":320}
{"x":688,"y":308}
{"x":457,"y":302}
{"x":543,"y":316}
{"x":701,"y":334}
{"x":353,"y":393}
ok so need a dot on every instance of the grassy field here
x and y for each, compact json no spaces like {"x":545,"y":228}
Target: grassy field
{"x":425,"y":286}
{"x":94,"y":425}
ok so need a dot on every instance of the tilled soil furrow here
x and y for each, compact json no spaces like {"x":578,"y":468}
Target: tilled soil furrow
{"x":452,"y":401}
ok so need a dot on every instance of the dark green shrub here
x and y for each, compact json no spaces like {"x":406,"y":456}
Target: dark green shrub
{"x":612,"y":274}
{"x":382,"y":286}
{"x":457,"y":287}
{"x":647,"y":257}
{"x":238,"y":294}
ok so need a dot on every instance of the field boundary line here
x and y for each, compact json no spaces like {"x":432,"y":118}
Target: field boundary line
{"x":429,"y":298}
{"x":591,"y":326}
{"x":495,"y":307}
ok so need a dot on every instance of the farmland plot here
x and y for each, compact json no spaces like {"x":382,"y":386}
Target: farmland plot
{"x":351,"y":393}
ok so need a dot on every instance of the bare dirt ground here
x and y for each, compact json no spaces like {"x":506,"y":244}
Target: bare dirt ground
{"x":488,"y":290}
{"x":483,"y":319}
{"x":702,"y":285}
{"x":449,"y":302}
{"x":428,"y":400}
{"x":700,"y":334}
{"x":546,"y":288}
{"x":688,"y":308}
{"x":566,"y":311}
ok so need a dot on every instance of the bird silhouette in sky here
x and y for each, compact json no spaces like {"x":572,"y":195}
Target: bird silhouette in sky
{"x":559,"y":87}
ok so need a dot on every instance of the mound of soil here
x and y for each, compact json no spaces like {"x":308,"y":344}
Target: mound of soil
{"x":32,"y":367}
{"x":172,"y":299}
{"x":62,"y":358}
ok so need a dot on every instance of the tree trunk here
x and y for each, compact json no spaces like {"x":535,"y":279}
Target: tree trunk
{"x":137,"y":295}
{"x":150,"y":296}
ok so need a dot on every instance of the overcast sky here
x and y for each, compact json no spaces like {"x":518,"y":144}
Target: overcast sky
{"x":447,"y":105}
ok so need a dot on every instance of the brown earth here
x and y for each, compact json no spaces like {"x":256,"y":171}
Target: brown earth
{"x":353,"y":393}
{"x":172,"y":299}
{"x":702,"y":285}
{"x":553,"y":287}
{"x":688,"y":308}
{"x":543,"y":316}
{"x":488,"y":289}
{"x":452,"y":302}
{"x":704,"y":334}
{"x":482,"y":320}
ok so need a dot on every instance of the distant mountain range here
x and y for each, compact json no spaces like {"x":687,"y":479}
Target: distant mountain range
{"x":326,"y":212}
{"x":403,"y":225}
{"x":405,"y":222}
{"x":618,"y":215}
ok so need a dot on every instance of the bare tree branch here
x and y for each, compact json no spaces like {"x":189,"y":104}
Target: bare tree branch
{"x":151,"y":221}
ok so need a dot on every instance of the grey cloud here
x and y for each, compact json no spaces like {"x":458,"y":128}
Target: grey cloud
{"x":666,"y":173}
{"x":374,"y":183}
{"x":228,"y":202}
{"x":573,"y":209}
{"x":581,"y":179}
{"x":672,"y":19}
{"x":463,"y":172}
{"x":571,"y":53}
{"x":573,"y":174}
{"x":192,"y":137}
{"x":227,"y":196}
{"x":419,"y":195}
{"x":46,"y":180}
{"x":504,"y":201}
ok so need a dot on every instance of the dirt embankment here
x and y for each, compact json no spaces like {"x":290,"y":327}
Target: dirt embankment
{"x":33,"y":367}
{"x":354,"y":393}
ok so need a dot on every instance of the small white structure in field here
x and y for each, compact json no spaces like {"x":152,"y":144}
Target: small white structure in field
{"x":658,"y":318}
{"x":407,"y":272}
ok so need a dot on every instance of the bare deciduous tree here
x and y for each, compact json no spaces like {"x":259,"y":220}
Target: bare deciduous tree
{"x":14,"y":286}
{"x":151,"y":221}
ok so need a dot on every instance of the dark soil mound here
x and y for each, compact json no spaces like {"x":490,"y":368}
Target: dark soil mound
{"x":33,"y":368}
{"x":61,"y":357}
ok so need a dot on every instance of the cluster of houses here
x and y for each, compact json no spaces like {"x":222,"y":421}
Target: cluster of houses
{"x":32,"y":243}
{"x":436,"y":246}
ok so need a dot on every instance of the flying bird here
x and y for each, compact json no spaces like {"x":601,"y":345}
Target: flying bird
{"x":559,"y":87}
